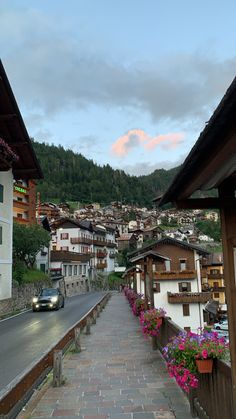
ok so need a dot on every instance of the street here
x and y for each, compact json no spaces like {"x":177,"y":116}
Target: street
{"x":25,"y":337}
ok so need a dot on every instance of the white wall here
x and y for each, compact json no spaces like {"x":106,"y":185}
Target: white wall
{"x":175,"y":311}
{"x":6,"y":220}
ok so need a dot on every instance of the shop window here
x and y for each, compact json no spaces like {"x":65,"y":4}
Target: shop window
{"x":69,"y":270}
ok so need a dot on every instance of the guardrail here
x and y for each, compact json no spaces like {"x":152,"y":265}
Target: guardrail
{"x":18,"y":391}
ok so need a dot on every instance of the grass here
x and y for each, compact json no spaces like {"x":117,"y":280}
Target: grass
{"x":34,"y":275}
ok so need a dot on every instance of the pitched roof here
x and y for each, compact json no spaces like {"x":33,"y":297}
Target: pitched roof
{"x":154,"y":255}
{"x":14,"y":133}
{"x":170,"y":240}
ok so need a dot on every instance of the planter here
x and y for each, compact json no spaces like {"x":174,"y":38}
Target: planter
{"x":204,"y":366}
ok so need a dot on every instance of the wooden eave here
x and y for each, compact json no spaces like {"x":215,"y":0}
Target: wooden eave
{"x":13,"y":131}
{"x":212,"y":161}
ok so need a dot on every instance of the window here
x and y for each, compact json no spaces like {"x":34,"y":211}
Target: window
{"x":75,"y":270}
{"x":19,"y":199}
{"x":80,"y":269}
{"x":84,"y":269}
{"x":167,"y":265}
{"x":64,"y":236}
{"x":184,"y":287}
{"x":65,"y":248}
{"x":0,"y":234}
{"x":186,"y":311}
{"x":214,"y":271}
{"x":1,"y":193}
{"x":54,"y":247}
{"x":216,"y":295}
{"x":19,"y":215}
{"x":216,"y":284}
{"x":156,"y":287}
{"x":182,"y":264}
{"x":187,"y":329}
{"x":70,"y":270}
{"x":65,"y":270}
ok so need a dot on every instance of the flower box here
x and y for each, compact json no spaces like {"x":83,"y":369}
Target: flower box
{"x":204,"y":366}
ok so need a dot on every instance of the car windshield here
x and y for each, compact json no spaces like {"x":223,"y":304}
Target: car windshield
{"x":48,"y":291}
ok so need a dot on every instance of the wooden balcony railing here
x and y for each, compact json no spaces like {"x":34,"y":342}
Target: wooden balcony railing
{"x":165,"y":275}
{"x":67,"y":256}
{"x":101,"y":254}
{"x":20,"y":204}
{"x":205,"y":400}
{"x":83,"y":240}
{"x":215,"y":276}
{"x":101,"y":265}
{"x":188,"y":297}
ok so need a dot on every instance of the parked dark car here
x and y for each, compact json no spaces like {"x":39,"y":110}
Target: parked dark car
{"x":48,"y":299}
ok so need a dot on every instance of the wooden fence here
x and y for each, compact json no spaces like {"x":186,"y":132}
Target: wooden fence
{"x":213,"y":398}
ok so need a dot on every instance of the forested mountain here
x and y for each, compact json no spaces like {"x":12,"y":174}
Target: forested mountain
{"x":71,"y":177}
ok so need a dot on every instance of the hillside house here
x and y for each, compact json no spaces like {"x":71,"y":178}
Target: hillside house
{"x":176,"y":280}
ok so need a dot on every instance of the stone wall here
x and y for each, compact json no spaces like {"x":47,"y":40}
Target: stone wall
{"x":21,"y":296}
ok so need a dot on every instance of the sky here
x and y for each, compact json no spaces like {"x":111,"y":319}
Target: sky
{"x":129,"y":83}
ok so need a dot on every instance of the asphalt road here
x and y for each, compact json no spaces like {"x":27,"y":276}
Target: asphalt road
{"x":24,"y":338}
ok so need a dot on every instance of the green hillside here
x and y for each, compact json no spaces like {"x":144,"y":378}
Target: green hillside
{"x":71,"y":177}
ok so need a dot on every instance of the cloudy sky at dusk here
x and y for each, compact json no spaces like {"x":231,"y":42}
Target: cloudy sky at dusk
{"x":130,"y":83}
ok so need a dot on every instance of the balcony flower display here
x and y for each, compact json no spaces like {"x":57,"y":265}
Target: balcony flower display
{"x":151,"y":321}
{"x":6,"y":152}
{"x":138,"y":305}
{"x":185,"y":349}
{"x":131,"y":296}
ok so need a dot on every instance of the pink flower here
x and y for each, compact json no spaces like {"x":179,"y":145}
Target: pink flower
{"x":204,"y":354}
{"x":181,"y":347}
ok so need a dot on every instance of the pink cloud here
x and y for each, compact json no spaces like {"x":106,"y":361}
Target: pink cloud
{"x":136,"y":137}
{"x":167,"y":141}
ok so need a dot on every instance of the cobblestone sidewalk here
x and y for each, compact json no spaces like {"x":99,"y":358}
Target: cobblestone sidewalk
{"x":117,"y":375}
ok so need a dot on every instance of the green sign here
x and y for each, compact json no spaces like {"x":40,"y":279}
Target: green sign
{"x":19,"y":189}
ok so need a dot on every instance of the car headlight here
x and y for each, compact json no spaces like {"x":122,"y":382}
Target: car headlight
{"x":35,"y":300}
{"x":54,"y":299}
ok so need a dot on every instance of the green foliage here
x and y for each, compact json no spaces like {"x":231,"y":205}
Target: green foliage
{"x":115,"y":280}
{"x":27,"y":241}
{"x":34,"y":275}
{"x":210,"y":228}
{"x":70,"y":176}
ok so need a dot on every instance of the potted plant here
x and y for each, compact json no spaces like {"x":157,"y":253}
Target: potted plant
{"x":184,"y":351}
{"x":151,"y":321}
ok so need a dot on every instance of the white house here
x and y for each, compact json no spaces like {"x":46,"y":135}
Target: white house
{"x":176,"y":281}
{"x":6,"y":221}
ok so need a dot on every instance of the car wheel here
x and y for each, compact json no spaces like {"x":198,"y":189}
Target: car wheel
{"x":217,"y":327}
{"x":57,"y":307}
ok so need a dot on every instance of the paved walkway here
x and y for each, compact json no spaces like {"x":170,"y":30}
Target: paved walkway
{"x":117,"y":375}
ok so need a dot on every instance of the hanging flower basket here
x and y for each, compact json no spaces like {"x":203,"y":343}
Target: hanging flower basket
{"x":204,"y":366}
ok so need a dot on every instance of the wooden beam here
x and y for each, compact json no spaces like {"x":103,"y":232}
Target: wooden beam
{"x":6,"y":117}
{"x":205,"y":203}
{"x":228,"y":228}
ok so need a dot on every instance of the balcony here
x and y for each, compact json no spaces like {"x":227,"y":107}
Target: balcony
{"x":20,"y":204}
{"x":170,"y":275}
{"x":188,"y":297}
{"x":83,"y":240}
{"x":101,"y":265}
{"x":112,"y":255}
{"x":111,"y":244}
{"x":215,"y":276}
{"x":98,"y":242}
{"x":100,"y":254}
{"x":21,"y":220}
{"x":66,"y":256}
